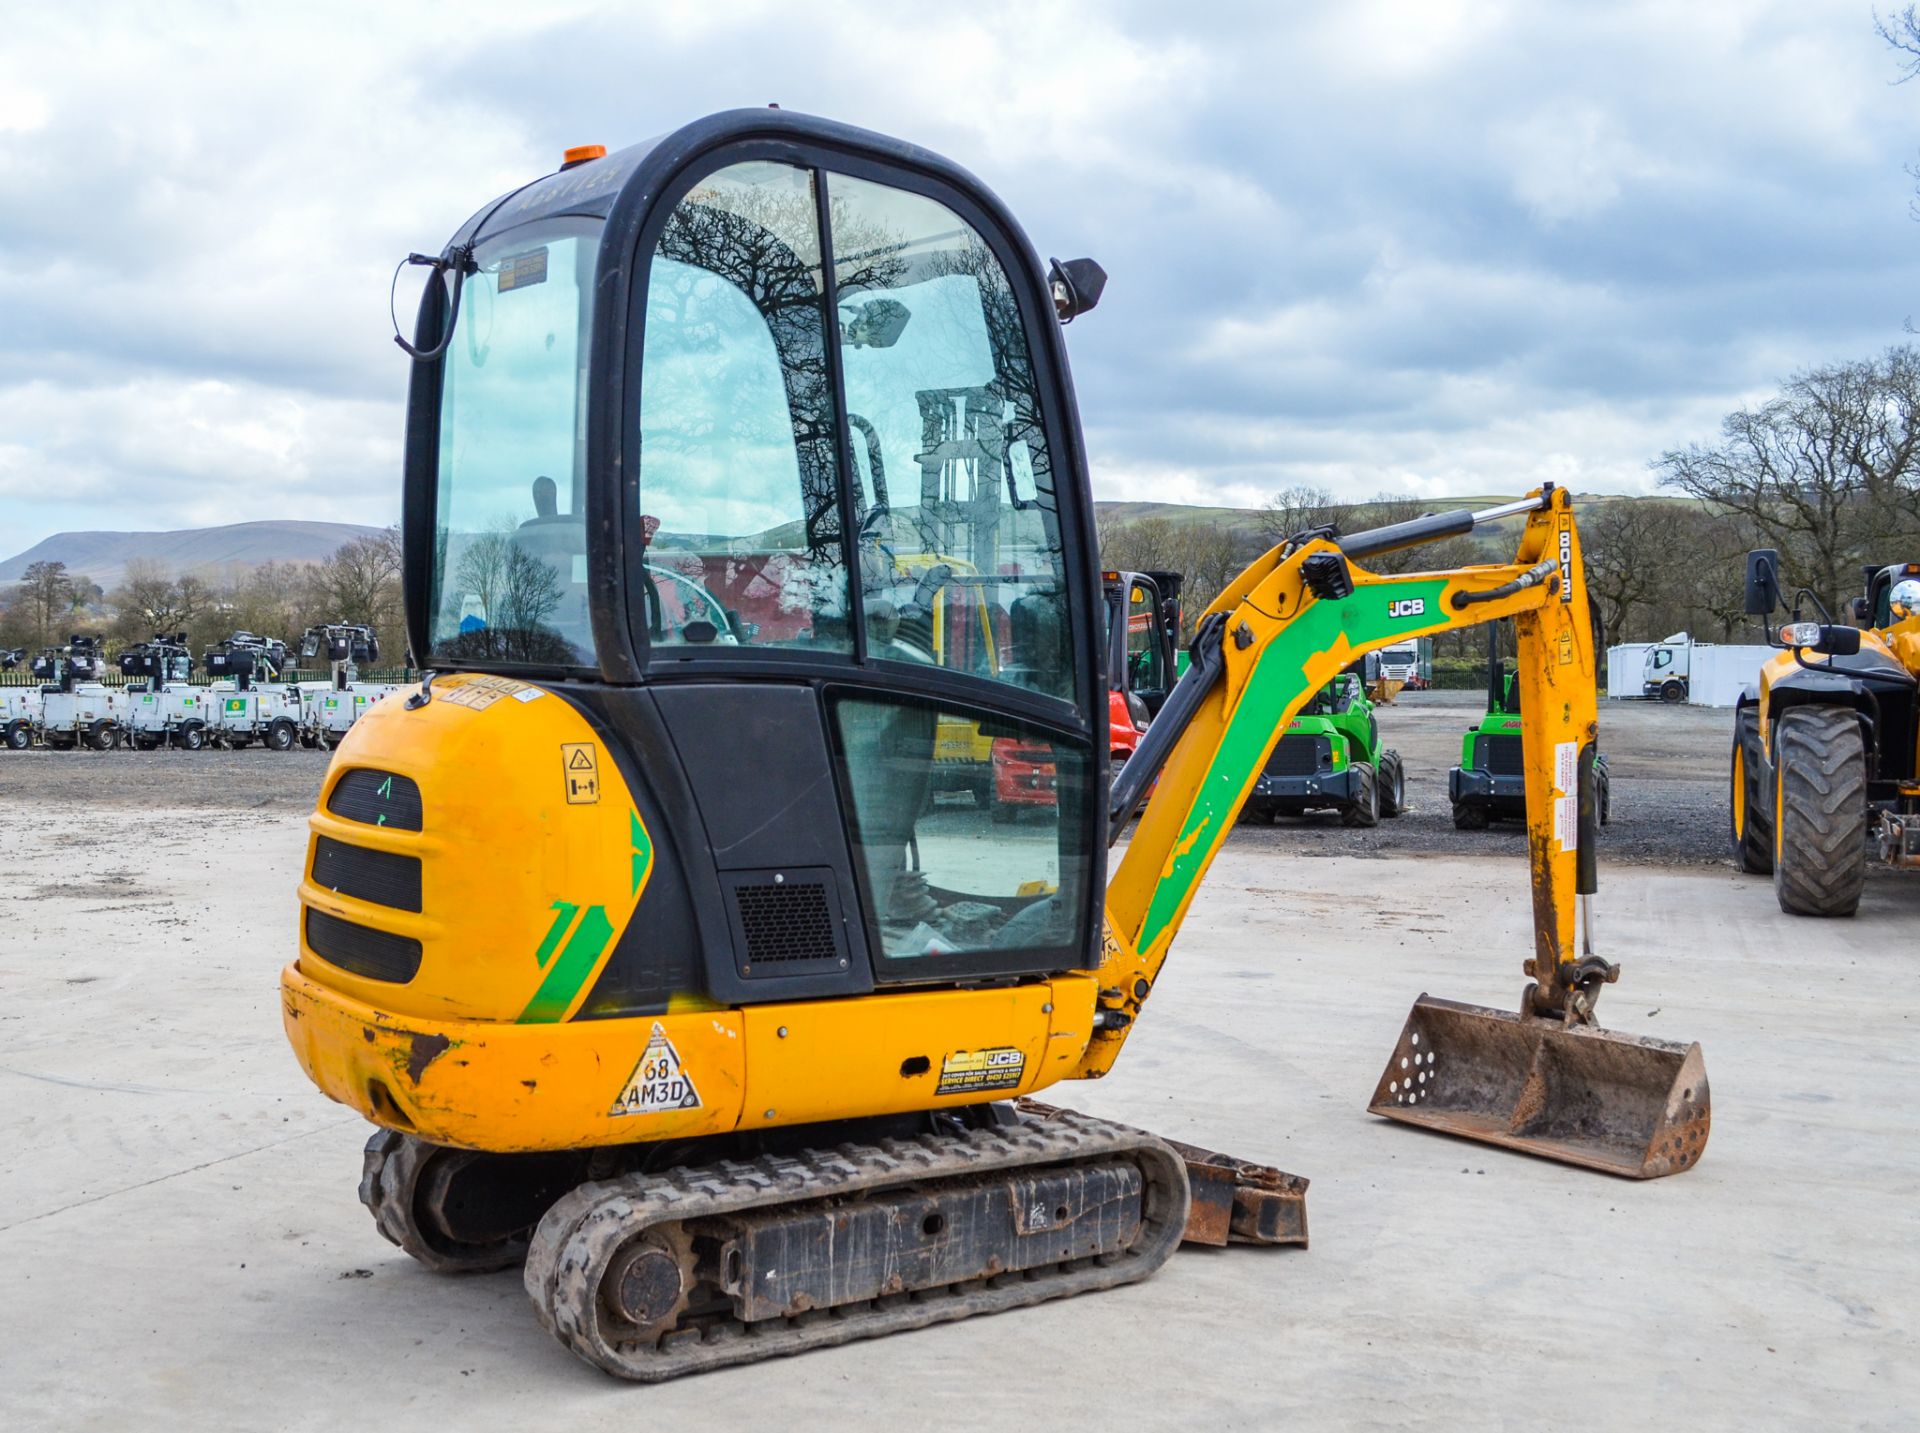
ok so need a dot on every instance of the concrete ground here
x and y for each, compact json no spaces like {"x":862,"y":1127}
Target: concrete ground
{"x":180,"y":1245}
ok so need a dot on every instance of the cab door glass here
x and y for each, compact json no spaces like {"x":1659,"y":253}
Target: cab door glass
{"x":969,"y":832}
{"x":739,"y":490}
{"x":1146,"y":652}
{"x":960,"y":553}
{"x":509,"y":575}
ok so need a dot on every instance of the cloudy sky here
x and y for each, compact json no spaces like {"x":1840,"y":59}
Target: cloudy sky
{"x":1443,"y":247}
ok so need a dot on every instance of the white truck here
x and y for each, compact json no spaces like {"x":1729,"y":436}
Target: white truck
{"x":241,"y":711}
{"x":1707,"y":674}
{"x":161,"y":706}
{"x":76,"y":708}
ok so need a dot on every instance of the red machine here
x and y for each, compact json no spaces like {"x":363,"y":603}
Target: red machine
{"x":1143,"y":636}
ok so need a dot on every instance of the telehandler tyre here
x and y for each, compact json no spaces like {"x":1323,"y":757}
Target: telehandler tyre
{"x":1365,"y":810}
{"x":1393,"y":784}
{"x":1750,"y":809}
{"x":1820,"y":812}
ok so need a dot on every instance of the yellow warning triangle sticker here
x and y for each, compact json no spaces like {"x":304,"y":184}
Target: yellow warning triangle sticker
{"x":659,"y":1081}
{"x":581,"y":761}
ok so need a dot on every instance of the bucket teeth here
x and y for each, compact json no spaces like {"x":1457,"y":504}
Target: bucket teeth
{"x":1625,"y":1104}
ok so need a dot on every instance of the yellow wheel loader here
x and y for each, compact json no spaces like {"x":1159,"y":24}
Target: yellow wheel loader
{"x":633,"y":927}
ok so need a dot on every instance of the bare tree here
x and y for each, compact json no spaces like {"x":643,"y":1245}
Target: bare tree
{"x":361,"y":582}
{"x":1828,"y":472}
{"x":47,"y":592}
{"x":1296,"y":509}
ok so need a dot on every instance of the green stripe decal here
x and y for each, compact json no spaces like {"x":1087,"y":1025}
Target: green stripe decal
{"x":1333,"y":632}
{"x":577,"y":961}
{"x":642,"y":850}
{"x":567,"y":911}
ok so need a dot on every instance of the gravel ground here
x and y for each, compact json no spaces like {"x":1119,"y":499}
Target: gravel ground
{"x":1669,"y":791}
{"x":1669,"y":801}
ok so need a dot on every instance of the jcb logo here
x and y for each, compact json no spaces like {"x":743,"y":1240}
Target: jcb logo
{"x":1407,"y":607}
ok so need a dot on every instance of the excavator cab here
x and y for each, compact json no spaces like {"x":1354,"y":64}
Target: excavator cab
{"x":763,"y":436}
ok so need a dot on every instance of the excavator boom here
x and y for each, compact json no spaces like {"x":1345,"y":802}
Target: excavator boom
{"x":1544,"y":1079}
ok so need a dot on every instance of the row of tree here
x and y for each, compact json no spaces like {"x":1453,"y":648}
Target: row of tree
{"x":359,"y":582}
{"x":1827,"y":471}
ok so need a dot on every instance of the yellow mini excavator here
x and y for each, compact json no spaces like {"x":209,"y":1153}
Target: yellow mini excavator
{"x":643,"y":929}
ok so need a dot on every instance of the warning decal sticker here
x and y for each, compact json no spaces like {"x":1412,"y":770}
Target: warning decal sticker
{"x":580,"y":765}
{"x":966,"y":1071}
{"x":1566,"y":765}
{"x":659,"y":1082}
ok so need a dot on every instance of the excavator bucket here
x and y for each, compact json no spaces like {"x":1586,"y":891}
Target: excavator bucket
{"x":1624,"y":1104}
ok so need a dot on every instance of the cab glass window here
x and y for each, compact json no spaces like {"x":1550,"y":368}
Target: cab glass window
{"x":969,"y":833}
{"x":1146,"y":653}
{"x":739,"y":494}
{"x":960,"y":553}
{"x":509,"y":580}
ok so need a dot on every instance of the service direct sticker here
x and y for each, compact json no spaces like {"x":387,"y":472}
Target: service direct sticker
{"x":966,"y":1072}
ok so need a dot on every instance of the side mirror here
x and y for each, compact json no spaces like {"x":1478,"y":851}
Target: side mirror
{"x":1858,"y":607}
{"x":1763,"y":582}
{"x":1077,"y":285}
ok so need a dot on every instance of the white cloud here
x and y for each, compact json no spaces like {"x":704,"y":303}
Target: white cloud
{"x":1440,"y":246}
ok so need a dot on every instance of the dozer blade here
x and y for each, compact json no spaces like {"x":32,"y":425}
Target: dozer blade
{"x":1624,"y":1104}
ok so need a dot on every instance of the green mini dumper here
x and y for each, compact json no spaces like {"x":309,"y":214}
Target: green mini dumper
{"x":1329,"y":758}
{"x":1490,"y":783}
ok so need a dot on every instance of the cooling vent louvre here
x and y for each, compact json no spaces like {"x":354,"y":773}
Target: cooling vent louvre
{"x":785,"y":922}
{"x":382,"y":877}
{"x":1298,"y":755}
{"x":374,"y":954}
{"x":1500,"y":755}
{"x":378,"y":798}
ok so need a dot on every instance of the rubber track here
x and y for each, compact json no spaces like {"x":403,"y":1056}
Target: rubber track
{"x":1754,"y":853}
{"x":392,"y":1168}
{"x":581,"y":1234}
{"x":1823,"y":812}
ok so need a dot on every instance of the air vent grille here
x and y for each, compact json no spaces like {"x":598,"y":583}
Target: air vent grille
{"x":1298,"y":755}
{"x":1501,"y":755}
{"x":786,"y":922}
{"x":374,"y":954}
{"x":382,"y":877}
{"x":378,"y":798}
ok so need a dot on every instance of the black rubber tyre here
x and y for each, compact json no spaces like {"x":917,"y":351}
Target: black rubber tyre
{"x":309,"y":740}
{"x":280,"y":735}
{"x":1603,"y":788}
{"x":1259,"y":812}
{"x":101,"y":736}
{"x":1364,"y":810}
{"x":1749,"y":803}
{"x":146,"y":740}
{"x":60,"y":741}
{"x":1471,"y":816}
{"x":19,"y":736}
{"x":1673,"y":692}
{"x":191,"y":736}
{"x":1820,"y":812}
{"x":1393,"y":784}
